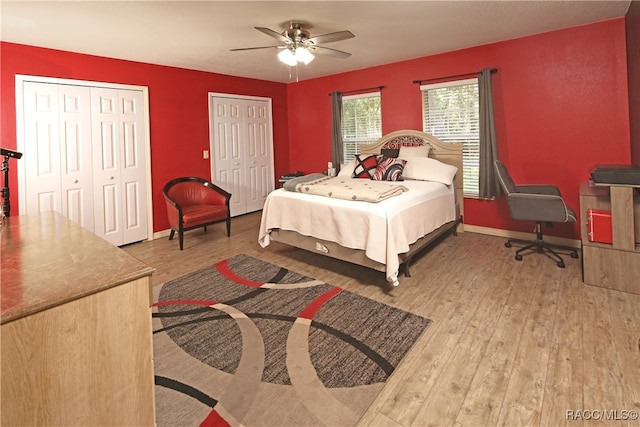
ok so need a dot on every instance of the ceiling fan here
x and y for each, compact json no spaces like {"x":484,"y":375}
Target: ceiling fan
{"x":297,"y":46}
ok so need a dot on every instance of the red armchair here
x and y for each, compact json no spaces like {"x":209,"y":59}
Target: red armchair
{"x":194,"y":202}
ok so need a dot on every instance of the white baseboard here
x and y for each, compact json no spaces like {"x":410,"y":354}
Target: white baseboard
{"x":507,"y":234}
{"x":161,"y":234}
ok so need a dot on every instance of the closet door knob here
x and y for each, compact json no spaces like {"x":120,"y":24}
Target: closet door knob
{"x":75,"y":181}
{"x":111,"y":178}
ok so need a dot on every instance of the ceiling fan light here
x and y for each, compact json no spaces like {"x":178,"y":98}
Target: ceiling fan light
{"x":287,"y":57}
{"x":303,"y":55}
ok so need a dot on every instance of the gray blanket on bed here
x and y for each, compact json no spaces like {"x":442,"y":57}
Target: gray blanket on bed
{"x":290,"y":185}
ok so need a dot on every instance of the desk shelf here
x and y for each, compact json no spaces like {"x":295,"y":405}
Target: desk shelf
{"x":616,"y":265}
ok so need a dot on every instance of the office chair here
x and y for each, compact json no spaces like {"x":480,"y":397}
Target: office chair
{"x":539,"y":203}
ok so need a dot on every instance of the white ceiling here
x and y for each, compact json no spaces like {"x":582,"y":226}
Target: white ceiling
{"x":199,"y":34}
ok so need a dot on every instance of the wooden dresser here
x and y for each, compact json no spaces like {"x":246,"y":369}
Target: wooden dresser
{"x":615,"y":265}
{"x":76,"y":339}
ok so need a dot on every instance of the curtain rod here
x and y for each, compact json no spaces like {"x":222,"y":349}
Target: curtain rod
{"x":363,"y":90}
{"x":493,"y":70}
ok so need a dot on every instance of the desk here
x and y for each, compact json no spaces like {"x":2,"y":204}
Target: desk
{"x":76,"y":339}
{"x":616,"y":265}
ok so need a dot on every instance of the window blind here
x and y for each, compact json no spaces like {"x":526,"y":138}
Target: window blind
{"x":361,"y":122}
{"x":451,"y":112}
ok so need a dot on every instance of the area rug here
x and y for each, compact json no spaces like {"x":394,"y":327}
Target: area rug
{"x":245,"y":342}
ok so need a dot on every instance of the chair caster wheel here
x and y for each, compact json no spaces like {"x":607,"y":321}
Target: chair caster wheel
{"x":574,"y":254}
{"x":518,"y":257}
{"x":560,"y":264}
{"x":507,"y":244}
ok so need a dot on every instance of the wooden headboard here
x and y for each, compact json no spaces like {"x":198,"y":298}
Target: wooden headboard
{"x":446,"y":153}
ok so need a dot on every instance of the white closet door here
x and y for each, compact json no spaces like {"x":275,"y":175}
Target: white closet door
{"x":106,"y":164}
{"x":228,"y":151}
{"x":118,"y":165}
{"x":58,"y":151}
{"x":133,"y":172}
{"x":86,"y":153}
{"x":75,"y":155}
{"x":257,"y":154}
{"x":42,"y":148}
{"x":242,"y":150}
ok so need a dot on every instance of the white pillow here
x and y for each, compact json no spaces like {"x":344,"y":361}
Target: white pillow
{"x":348,"y":168}
{"x":428,"y":169}
{"x":406,"y":152}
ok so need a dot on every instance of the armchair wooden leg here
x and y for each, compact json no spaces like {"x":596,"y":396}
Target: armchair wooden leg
{"x":181,"y":238}
{"x":171,"y":234}
{"x":228,"y":227}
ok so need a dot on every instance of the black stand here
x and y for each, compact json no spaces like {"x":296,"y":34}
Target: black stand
{"x":6,"y":205}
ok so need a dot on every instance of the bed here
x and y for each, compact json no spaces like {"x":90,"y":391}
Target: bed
{"x":384,"y":235}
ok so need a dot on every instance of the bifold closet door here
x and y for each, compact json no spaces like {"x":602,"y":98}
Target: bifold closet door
{"x":57,"y":158}
{"x":257,"y":160}
{"x":227,"y":151}
{"x":119,"y":170}
{"x":84,"y":157}
{"x":242,"y":151}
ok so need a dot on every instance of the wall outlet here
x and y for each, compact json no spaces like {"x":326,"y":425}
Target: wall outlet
{"x":205,"y":154}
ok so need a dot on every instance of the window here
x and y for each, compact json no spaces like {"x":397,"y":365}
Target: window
{"x":450,"y":111}
{"x":361,"y":122}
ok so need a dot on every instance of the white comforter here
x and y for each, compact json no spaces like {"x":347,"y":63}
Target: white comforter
{"x":383,"y":230}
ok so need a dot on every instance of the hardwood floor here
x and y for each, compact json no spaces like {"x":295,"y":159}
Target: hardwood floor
{"x":511,"y":344}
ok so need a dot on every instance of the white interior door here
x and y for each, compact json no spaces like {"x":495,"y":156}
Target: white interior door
{"x":228,"y":151}
{"x":118,"y":165}
{"x":57,"y":128}
{"x":106,"y":164}
{"x":42,"y":151}
{"x":133,"y":172}
{"x":258,"y":154}
{"x":86,"y":154}
{"x":75,"y":155}
{"x":242,"y":150}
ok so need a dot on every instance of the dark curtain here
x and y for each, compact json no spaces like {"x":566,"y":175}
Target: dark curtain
{"x":336,"y":130}
{"x":488,"y":182}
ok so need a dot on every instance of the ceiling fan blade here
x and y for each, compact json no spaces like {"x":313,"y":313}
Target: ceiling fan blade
{"x":273,"y":34}
{"x":330,"y":52}
{"x":254,"y":48}
{"x":331,"y":37}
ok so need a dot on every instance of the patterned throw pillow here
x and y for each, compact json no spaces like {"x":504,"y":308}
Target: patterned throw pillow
{"x":389,"y":169}
{"x":365,"y":167}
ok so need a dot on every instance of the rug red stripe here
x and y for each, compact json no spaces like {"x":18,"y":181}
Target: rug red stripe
{"x":214,"y":420}
{"x":310,"y":311}
{"x":185,"y":301}
{"x":224,"y":269}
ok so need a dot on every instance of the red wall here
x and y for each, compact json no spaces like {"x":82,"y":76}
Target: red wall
{"x":633,"y":73}
{"x":178,"y":109}
{"x":560,"y":100}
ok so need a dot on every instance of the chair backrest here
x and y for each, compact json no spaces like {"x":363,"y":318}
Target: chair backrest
{"x":188,"y":191}
{"x":503,"y":176}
